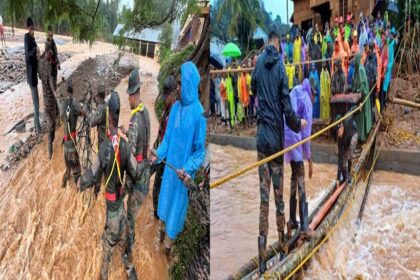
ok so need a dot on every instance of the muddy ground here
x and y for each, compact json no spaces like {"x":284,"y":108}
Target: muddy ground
{"x":53,"y":233}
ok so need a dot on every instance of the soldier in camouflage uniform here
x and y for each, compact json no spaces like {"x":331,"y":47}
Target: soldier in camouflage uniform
{"x":114,"y":160}
{"x":138,"y":135}
{"x":51,"y":111}
{"x":54,"y":62}
{"x":338,"y":80}
{"x":98,"y":118}
{"x":70,"y":111}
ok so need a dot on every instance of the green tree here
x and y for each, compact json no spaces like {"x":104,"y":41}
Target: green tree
{"x":166,"y":41}
{"x":14,"y":12}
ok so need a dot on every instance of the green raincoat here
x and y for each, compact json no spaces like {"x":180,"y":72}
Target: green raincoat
{"x":360,"y":84}
{"x":325,"y":94}
{"x":231,"y":100}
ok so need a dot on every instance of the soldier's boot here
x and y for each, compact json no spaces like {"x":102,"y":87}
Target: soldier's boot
{"x":305,"y":232}
{"x":132,"y":275}
{"x":50,"y":145}
{"x":292,"y":223}
{"x":283,"y":246}
{"x":65,"y":178}
{"x":262,"y":254}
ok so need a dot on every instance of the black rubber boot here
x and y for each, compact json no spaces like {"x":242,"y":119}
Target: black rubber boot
{"x":132,"y":275}
{"x":292,"y":223}
{"x":262,"y":254}
{"x":50,"y":145}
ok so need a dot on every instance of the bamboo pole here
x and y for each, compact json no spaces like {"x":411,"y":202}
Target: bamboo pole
{"x":294,"y":259}
{"x":250,"y":268}
{"x":223,"y":71}
{"x":405,"y":102}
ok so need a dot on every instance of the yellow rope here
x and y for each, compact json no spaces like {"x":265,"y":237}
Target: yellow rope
{"x":113,"y":165}
{"x":331,"y":230}
{"x":282,"y":152}
{"x":139,"y":108}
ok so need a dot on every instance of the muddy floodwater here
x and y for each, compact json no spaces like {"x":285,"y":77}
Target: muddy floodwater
{"x":49,"y":232}
{"x":383,"y":246}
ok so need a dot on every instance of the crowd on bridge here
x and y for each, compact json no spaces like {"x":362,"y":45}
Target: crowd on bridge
{"x":337,"y":59}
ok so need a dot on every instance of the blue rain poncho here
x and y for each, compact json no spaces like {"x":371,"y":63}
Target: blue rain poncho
{"x":388,"y":72}
{"x":183,"y":146}
{"x":314,"y":80}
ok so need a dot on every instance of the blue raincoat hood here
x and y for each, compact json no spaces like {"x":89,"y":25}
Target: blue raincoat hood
{"x":190,"y":80}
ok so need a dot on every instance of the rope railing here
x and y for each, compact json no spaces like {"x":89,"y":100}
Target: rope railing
{"x":250,"y":69}
{"x":282,"y":152}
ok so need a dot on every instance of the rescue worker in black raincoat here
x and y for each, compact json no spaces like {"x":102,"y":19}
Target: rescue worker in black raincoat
{"x":270,"y":84}
{"x":346,"y":141}
{"x":115,"y":160}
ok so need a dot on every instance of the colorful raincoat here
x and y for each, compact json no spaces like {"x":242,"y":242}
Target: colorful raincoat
{"x":390,"y":63}
{"x":297,"y":47}
{"x":314,"y":82}
{"x":325,"y":94}
{"x":360,"y":85}
{"x":231,"y":100}
{"x":300,"y":98}
{"x":183,"y":146}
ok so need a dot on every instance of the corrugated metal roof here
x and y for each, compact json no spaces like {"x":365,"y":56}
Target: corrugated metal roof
{"x":147,"y":34}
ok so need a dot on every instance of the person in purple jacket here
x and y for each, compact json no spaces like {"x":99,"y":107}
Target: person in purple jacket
{"x":302,"y":101}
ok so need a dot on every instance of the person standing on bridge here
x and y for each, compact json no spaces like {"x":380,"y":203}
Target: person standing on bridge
{"x":138,"y":135}
{"x":32,"y":55}
{"x":302,"y":97}
{"x":346,"y":142}
{"x":115,"y":160}
{"x":270,"y":84}
{"x":183,"y":146}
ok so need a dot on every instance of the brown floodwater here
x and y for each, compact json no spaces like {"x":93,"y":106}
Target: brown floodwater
{"x":383,"y":246}
{"x":51,"y":233}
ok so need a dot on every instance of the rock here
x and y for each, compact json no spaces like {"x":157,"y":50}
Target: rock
{"x":21,"y":127}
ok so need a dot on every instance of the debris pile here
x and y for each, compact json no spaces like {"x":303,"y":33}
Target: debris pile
{"x":13,"y":68}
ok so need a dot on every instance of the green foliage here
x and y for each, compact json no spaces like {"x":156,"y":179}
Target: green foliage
{"x":166,"y":41}
{"x":187,"y":244}
{"x":14,"y":11}
{"x":172,"y":64}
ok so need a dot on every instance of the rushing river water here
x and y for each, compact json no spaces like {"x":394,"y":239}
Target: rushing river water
{"x":50,"y":233}
{"x":383,"y":246}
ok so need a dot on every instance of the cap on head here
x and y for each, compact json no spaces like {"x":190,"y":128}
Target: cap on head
{"x":168,"y":85}
{"x":273,"y":32}
{"x":29,"y":22}
{"x":114,"y":104}
{"x":133,"y":82}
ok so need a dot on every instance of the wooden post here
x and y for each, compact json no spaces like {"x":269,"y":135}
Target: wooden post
{"x":147,"y":49}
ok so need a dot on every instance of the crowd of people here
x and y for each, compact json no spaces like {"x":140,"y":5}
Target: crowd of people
{"x":337,"y":59}
{"x":291,"y":85}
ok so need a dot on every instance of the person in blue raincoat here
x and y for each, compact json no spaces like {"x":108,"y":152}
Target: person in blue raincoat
{"x":387,"y":79}
{"x":314,"y":81}
{"x":183,"y":146}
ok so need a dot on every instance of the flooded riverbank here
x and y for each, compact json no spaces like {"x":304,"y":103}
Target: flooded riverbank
{"x":384,"y":246}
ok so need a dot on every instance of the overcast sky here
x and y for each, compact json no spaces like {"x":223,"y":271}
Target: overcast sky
{"x":128,"y":3}
{"x":276,"y":7}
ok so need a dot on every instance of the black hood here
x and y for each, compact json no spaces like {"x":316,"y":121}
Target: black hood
{"x":271,"y":57}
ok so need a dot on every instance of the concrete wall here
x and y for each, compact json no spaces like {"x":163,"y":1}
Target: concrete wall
{"x":402,"y":161}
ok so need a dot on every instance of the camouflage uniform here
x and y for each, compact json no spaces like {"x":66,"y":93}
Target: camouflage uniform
{"x":98,"y":118}
{"x":338,"y":80}
{"x":51,"y":111}
{"x":297,"y":183}
{"x":70,"y":112}
{"x":115,"y":227}
{"x":54,"y":61}
{"x":138,"y":135}
{"x":271,"y":171}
